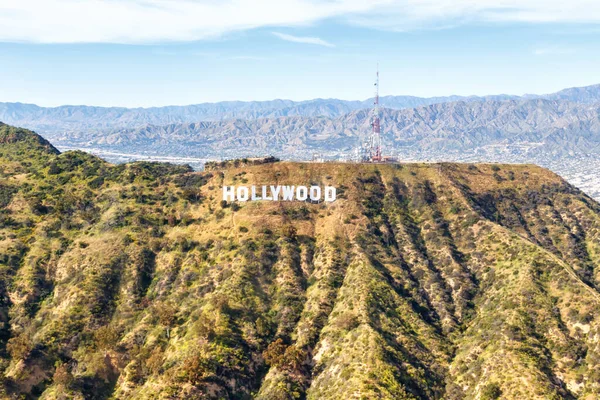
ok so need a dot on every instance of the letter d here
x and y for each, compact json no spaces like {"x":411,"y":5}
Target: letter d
{"x":330,"y":193}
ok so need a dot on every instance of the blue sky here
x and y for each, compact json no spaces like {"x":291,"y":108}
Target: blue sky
{"x":437,"y":50}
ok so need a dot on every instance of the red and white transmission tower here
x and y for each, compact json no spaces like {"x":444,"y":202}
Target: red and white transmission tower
{"x":375,"y":150}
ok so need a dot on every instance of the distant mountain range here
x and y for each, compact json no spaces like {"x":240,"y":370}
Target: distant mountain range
{"x":547,"y":126}
{"x":78,"y":118}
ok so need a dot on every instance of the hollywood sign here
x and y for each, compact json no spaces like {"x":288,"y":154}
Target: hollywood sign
{"x":279,"y":193}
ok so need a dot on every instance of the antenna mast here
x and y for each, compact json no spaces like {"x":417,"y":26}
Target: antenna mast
{"x":369,"y":150}
{"x":376,"y":134}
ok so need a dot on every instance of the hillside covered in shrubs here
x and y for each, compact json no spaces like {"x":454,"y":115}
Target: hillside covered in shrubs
{"x":421,"y":281}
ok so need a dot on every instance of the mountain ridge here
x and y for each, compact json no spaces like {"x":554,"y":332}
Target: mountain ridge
{"x":92,"y":117}
{"x":12,"y":136}
{"x":455,"y":126}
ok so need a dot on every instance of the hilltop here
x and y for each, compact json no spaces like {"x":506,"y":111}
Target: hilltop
{"x":15,"y":140}
{"x":421,"y":281}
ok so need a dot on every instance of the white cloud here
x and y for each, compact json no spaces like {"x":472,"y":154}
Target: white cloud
{"x":403,"y":15}
{"x":153,"y":21}
{"x":302,"y":39}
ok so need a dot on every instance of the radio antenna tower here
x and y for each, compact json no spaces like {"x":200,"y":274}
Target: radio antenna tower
{"x":376,"y":134}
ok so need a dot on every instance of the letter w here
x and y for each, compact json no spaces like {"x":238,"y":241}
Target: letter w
{"x":288,"y":193}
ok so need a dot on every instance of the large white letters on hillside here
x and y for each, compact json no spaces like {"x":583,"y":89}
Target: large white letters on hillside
{"x":277,"y":193}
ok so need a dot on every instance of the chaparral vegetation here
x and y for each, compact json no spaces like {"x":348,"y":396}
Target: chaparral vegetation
{"x":421,"y":281}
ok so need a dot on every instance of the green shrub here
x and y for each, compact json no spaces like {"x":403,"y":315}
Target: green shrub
{"x":491,"y":391}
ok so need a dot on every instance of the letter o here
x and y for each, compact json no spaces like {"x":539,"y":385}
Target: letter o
{"x":242,"y":193}
{"x":315,"y":193}
{"x":301,"y":193}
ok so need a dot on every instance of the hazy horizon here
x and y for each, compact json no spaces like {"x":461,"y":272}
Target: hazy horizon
{"x":300,"y":100}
